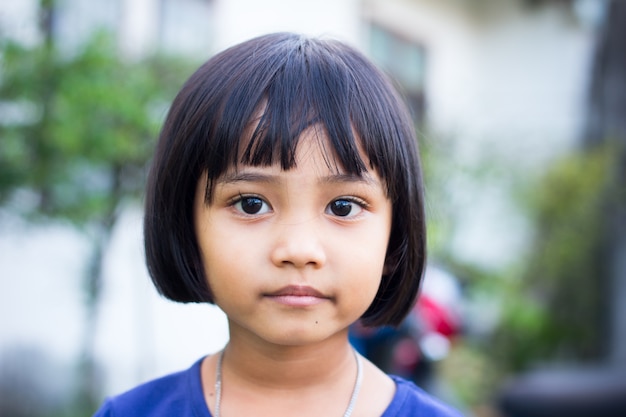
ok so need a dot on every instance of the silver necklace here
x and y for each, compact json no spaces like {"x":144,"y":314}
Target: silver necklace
{"x":347,"y":413}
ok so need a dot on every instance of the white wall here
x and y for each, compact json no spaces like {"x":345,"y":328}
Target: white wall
{"x":182,"y":27}
{"x":18,"y":20}
{"x":238,"y":20}
{"x":140,"y":335}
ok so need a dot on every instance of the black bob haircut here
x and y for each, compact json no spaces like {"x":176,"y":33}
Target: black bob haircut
{"x":292,"y":82}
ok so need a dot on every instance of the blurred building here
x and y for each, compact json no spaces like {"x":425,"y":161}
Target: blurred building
{"x":501,"y":76}
{"x":501,"y":80}
{"x":142,"y":26}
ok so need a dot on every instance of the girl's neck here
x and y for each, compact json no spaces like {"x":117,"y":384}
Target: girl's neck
{"x":278,"y":366}
{"x":262,"y":379}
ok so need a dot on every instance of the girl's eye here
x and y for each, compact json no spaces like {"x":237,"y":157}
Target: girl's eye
{"x":345,"y":207}
{"x":251,"y":205}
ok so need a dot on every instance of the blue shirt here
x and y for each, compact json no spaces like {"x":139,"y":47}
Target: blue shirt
{"x":180,"y":394}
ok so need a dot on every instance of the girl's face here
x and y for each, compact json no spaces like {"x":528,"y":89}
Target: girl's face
{"x":293,"y":257}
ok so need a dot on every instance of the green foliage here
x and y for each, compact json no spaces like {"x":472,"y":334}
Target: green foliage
{"x":551,"y":305}
{"x":555,"y":310}
{"x":76,"y":132}
{"x":84,"y":127}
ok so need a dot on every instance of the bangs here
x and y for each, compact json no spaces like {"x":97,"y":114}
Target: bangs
{"x":305,"y":93}
{"x":297,"y":86}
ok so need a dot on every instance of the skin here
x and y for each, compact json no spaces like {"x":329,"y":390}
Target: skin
{"x":293,"y":258}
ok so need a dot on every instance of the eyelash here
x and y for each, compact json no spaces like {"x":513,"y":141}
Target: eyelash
{"x":241,"y":197}
{"x":362,"y":205}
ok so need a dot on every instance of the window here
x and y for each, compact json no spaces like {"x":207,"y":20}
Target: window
{"x":404,"y":61}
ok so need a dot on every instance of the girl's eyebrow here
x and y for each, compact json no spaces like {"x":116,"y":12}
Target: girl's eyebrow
{"x":234,"y":177}
{"x":365,"y":178}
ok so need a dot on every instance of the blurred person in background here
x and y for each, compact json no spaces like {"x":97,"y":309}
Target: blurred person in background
{"x":423,"y":338}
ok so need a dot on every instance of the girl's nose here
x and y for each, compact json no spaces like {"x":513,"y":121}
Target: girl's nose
{"x":298,"y":245}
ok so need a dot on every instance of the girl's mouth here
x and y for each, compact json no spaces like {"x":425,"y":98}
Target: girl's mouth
{"x":297,"y":296}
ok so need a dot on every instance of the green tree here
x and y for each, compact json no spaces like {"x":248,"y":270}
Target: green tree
{"x":568,"y":304}
{"x":81,"y":131}
{"x":556,"y":309}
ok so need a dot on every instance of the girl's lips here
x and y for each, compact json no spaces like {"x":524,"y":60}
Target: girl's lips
{"x":297,"y":296}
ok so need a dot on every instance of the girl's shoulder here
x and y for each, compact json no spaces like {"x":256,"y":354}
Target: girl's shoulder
{"x":177,"y":394}
{"x":411,"y":401}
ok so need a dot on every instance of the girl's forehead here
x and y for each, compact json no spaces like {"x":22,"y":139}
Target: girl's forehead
{"x":312,"y":166}
{"x":310,"y":142}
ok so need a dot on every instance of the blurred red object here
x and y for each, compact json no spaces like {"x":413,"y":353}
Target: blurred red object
{"x":436,"y":317}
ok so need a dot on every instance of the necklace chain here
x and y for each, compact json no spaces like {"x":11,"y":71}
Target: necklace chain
{"x":347,"y":413}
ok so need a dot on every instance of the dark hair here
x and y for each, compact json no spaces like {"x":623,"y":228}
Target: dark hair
{"x":291,"y":82}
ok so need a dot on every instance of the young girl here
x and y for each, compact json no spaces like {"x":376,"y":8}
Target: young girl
{"x":286,"y":189}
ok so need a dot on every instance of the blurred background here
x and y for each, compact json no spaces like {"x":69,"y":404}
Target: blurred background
{"x":520,"y":107}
